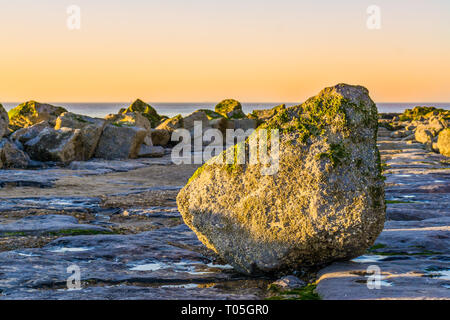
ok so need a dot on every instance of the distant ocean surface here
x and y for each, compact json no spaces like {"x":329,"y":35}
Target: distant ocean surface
{"x":172,"y":109}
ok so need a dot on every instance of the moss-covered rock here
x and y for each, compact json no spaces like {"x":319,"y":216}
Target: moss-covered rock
{"x":325,"y":203}
{"x":120,"y":142}
{"x":443,"y":143}
{"x":4,"y":122}
{"x":423,"y":112}
{"x":171,"y":124}
{"x":32,"y":112}
{"x":230,"y":109}
{"x":146,"y":110}
{"x":63,"y":145}
{"x":262,"y":116}
{"x":90,"y":130}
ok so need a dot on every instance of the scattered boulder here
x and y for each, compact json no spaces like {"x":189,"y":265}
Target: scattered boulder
{"x":4,"y":122}
{"x":289,"y":283}
{"x":130,"y":119}
{"x":230,"y":109}
{"x":197,"y":116}
{"x":262,"y":116}
{"x":443,"y":143}
{"x":120,"y":142}
{"x":90,"y":130}
{"x":62,"y":145}
{"x":423,"y":135}
{"x":32,"y":112}
{"x":146,"y":110}
{"x":325,"y":203}
{"x":23,"y":135}
{"x":211,"y":114}
{"x":171,"y":124}
{"x":160,"y":137}
{"x":150,"y":152}
{"x":11,"y":156}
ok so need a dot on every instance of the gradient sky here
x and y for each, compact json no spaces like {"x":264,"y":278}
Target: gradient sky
{"x":206,"y":50}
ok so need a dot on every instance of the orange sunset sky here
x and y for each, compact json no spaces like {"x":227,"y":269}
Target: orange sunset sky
{"x":199,"y":50}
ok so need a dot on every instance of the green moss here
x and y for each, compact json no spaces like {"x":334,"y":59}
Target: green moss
{"x":228,"y":106}
{"x":197,"y":173}
{"x":306,"y":293}
{"x":337,"y":154}
{"x":13,"y":234}
{"x":376,"y":247}
{"x":426,"y":112}
{"x":146,"y":110}
{"x":77,"y":232}
{"x":211,"y":114}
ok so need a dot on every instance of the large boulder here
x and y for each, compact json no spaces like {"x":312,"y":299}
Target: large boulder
{"x":90,"y":131}
{"x":4,"y":122}
{"x":325,"y":202}
{"x":230,"y":108}
{"x":262,"y":116}
{"x":160,"y":137}
{"x":196,"y":117}
{"x":11,"y":156}
{"x":423,"y":134}
{"x":171,"y":124}
{"x":146,"y":110}
{"x":24,"y":135}
{"x":32,"y":112}
{"x":120,"y":142}
{"x":443,"y":143}
{"x":63,"y":145}
{"x":130,"y":119}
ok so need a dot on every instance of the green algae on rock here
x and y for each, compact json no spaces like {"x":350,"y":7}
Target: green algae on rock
{"x":32,"y":112}
{"x":230,"y":108}
{"x":325,"y":203}
{"x":146,"y":110}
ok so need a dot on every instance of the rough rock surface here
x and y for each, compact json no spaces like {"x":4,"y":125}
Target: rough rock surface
{"x":230,"y":108}
{"x":4,"y":121}
{"x":23,"y":135}
{"x":11,"y":156}
{"x":151,"y":152}
{"x":171,"y":124}
{"x":197,"y":116}
{"x":32,"y":112}
{"x":90,"y":131}
{"x":160,"y":137}
{"x":35,"y":225}
{"x":443,"y":143}
{"x":325,"y":203}
{"x":120,"y":142}
{"x":146,"y":110}
{"x":63,"y":145}
{"x":413,"y":251}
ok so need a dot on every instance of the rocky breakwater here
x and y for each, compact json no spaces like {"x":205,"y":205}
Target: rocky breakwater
{"x":325,"y":203}
{"x":426,"y":125}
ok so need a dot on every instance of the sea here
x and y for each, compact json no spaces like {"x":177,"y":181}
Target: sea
{"x":100,"y":110}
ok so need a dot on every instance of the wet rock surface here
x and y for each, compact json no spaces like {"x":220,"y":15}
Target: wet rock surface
{"x":119,"y":223}
{"x":413,"y":251}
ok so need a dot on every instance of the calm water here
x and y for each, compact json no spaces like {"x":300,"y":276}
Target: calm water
{"x":173,"y":109}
